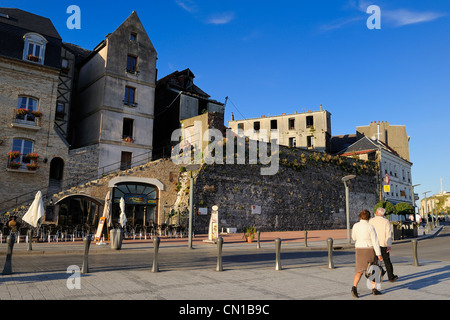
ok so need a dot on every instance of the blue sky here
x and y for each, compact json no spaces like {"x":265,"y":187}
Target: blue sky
{"x":292,"y":55}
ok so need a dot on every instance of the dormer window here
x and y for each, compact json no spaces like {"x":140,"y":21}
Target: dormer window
{"x":34,"y":48}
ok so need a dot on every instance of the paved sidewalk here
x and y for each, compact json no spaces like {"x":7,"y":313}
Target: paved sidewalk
{"x":304,"y":273}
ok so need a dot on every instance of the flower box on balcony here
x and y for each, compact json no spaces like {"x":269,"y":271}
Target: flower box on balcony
{"x":37,"y":113}
{"x":33,"y":58}
{"x":14,"y":154}
{"x":32,"y":166}
{"x":15,"y":165}
{"x":22,"y":111}
{"x":32,"y":156}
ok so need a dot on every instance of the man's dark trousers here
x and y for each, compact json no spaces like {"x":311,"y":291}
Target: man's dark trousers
{"x":387,"y":262}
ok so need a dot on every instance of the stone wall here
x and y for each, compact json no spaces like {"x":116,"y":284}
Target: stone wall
{"x":307,"y":192}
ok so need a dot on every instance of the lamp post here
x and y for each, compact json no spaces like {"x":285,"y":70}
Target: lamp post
{"x":413,"y":199}
{"x":190,"y":168}
{"x":347,"y":206}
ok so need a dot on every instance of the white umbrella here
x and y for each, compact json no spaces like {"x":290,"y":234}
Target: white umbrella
{"x":36,"y":211}
{"x":123,"y":217}
{"x":107,"y":209}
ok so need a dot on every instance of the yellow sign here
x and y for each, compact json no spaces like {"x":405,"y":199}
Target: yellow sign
{"x":387,"y":188}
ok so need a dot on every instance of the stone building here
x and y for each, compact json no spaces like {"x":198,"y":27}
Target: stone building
{"x":113,"y":109}
{"x":310,"y":130}
{"x":179,"y":99}
{"x":30,"y":79}
{"x":394,"y":136}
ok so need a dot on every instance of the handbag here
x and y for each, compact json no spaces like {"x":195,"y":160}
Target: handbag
{"x":370,"y":270}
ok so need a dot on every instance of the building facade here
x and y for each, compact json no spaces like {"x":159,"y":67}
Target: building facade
{"x":179,"y":99}
{"x":310,"y":130}
{"x":114,"y":99}
{"x":32,"y":152}
{"x":394,"y":136}
{"x":391,"y":165}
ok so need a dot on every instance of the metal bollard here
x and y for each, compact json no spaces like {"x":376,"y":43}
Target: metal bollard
{"x":155,"y":267}
{"x":306,"y":238}
{"x":278,"y":249}
{"x":10,"y":243}
{"x":219,"y":254}
{"x":330,"y":253}
{"x":87,"y":243}
{"x":415,"y":259}
{"x":30,"y":239}
{"x":258,"y":243}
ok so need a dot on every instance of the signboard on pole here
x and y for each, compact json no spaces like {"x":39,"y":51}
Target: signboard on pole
{"x":387,"y":188}
{"x":213,"y":233}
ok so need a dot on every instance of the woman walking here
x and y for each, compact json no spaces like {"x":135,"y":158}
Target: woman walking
{"x":366,"y":249}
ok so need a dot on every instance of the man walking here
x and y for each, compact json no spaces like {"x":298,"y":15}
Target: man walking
{"x":383,"y":229}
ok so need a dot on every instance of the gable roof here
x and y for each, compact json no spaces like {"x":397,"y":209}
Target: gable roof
{"x":367,"y":145}
{"x":29,"y":21}
{"x":177,"y":80}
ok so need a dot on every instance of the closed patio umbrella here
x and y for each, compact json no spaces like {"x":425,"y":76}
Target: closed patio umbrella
{"x":35,"y":212}
{"x":123,"y":217}
{"x":107,"y":209}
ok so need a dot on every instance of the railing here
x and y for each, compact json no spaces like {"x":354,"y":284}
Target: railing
{"x":76,"y":180}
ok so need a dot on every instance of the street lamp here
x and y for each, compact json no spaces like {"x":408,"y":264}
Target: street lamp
{"x":413,"y":199}
{"x":191,"y":167}
{"x":347,"y":209}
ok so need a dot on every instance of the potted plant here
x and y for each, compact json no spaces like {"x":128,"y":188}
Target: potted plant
{"x":32,"y":156}
{"x":22,"y":111}
{"x":129,"y":139}
{"x":15,"y":165}
{"x":32,"y":166}
{"x":14,"y":154}
{"x":249,"y":233}
{"x":33,"y":58}
{"x":37,"y":113}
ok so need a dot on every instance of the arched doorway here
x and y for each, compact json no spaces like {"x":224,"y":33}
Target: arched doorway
{"x":141,"y":204}
{"x":56,"y":175}
{"x":78,"y":211}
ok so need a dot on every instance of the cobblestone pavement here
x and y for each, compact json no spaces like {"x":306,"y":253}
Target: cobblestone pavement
{"x":190,"y":274}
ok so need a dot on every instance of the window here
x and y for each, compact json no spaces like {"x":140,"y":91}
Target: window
{"x":256,"y":126}
{"x":60,"y":111}
{"x":34,"y":48}
{"x":125,"y":160}
{"x":273,"y":124}
{"x":25,"y":108}
{"x":309,"y":121}
{"x":131,"y":64}
{"x":127,"y":130}
{"x":240,"y":128}
{"x":310,"y":142}
{"x":65,"y":65}
{"x":292,"y":124}
{"x":25,"y":147}
{"x":292,"y":142}
{"x":130,"y":96}
{"x":133,"y":36}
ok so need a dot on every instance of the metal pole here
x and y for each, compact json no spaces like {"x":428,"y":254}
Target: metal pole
{"x":10,"y":243}
{"x":155,"y":267}
{"x":278,"y":249}
{"x":330,"y":253}
{"x":87,"y":243}
{"x":30,"y":238}
{"x":415,"y":259}
{"x":347,"y":212}
{"x":258,"y":244}
{"x":219,"y":254}
{"x":306,"y":238}
{"x":191,"y":208}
